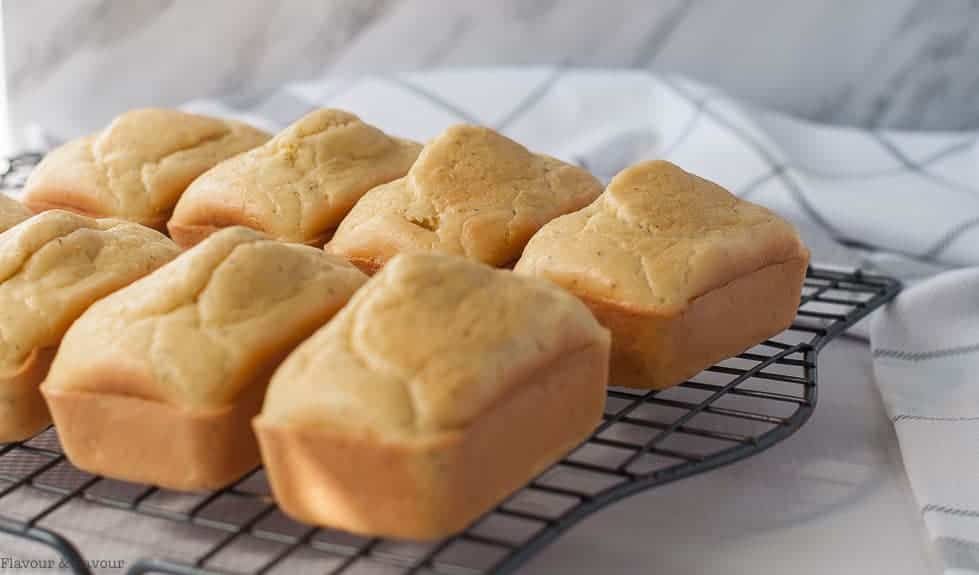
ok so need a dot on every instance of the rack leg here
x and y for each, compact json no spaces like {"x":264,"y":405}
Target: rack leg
{"x":70,"y":557}
{"x":145,"y":566}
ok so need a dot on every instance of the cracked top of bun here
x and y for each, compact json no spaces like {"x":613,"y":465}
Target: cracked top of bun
{"x":473,"y":193}
{"x":658,"y":238}
{"x":138,"y":166}
{"x":299,"y":185}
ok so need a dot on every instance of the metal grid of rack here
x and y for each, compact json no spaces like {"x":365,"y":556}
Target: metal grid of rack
{"x":730,"y":411}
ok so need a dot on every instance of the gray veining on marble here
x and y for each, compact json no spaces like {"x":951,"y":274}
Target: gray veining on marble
{"x":72,"y":64}
{"x":927,"y":74}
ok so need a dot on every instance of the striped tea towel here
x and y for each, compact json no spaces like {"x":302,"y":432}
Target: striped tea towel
{"x":903,"y":204}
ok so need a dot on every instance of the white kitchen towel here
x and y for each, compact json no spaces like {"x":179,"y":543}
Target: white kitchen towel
{"x":926,"y":359}
{"x":903,"y":204}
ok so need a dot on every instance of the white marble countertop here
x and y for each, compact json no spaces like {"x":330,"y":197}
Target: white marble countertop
{"x":71,"y":65}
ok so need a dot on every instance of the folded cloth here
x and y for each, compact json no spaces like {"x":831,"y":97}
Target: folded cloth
{"x":926,"y":359}
{"x":902,"y":204}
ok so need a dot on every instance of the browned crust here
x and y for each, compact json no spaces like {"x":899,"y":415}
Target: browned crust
{"x":429,"y":486}
{"x":189,"y":235}
{"x":369,"y":266}
{"x":23,"y":413}
{"x":141,"y":440}
{"x":78,"y":203}
{"x":653,"y":351}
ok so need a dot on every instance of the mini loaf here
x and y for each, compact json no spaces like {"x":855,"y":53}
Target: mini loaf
{"x":443,"y":386}
{"x":299,"y":185}
{"x":473,"y":193}
{"x":683,"y":272}
{"x":52,"y":267}
{"x":12,"y":212}
{"x":137,"y":167}
{"x":158,"y":382}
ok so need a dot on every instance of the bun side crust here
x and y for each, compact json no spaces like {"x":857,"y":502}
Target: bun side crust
{"x":22,"y":410}
{"x":162,"y":444}
{"x":719,"y":324}
{"x":189,"y":235}
{"x":426,"y":487}
{"x":78,"y":201}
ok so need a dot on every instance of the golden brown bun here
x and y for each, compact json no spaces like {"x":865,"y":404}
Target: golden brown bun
{"x":299,"y":185}
{"x":12,"y":212}
{"x":400,"y":417}
{"x":472,"y":193}
{"x":22,"y":409}
{"x":683,"y":272}
{"x":52,"y":267}
{"x":137,"y":167}
{"x":176,"y":365}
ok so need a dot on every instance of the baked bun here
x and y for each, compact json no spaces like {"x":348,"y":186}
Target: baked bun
{"x":137,"y":167}
{"x":299,"y":185}
{"x":52,"y":267}
{"x":443,"y":386}
{"x":683,"y":272}
{"x":472,"y":192}
{"x":158,"y":382}
{"x":12,"y":212}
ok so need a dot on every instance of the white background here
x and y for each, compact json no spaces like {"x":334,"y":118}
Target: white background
{"x":72,"y":64}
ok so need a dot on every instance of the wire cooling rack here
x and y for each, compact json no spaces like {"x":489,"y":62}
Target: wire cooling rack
{"x":735,"y":409}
